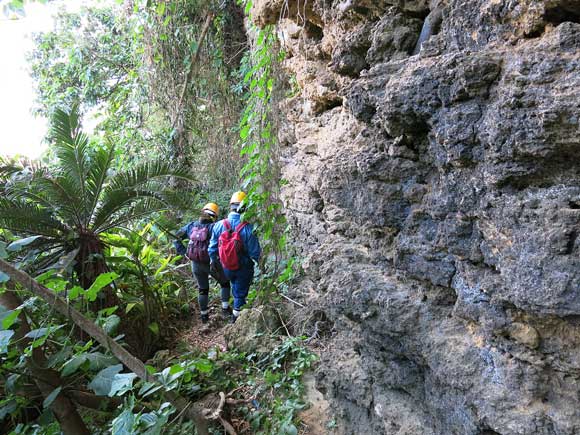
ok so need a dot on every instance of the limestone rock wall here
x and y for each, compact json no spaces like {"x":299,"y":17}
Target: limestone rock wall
{"x":435,"y":198}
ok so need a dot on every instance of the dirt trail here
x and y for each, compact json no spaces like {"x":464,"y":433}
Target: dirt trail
{"x":204,"y":337}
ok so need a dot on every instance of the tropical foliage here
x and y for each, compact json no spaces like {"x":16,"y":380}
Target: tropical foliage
{"x":68,"y":206}
{"x":93,"y":338}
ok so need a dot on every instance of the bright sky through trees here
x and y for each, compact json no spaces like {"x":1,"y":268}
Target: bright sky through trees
{"x":21,"y":133}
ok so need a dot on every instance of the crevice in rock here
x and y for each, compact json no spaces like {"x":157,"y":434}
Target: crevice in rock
{"x":571,"y":242}
{"x":314,"y":32}
{"x":574,"y":205}
{"x":420,"y":15}
{"x":431,"y":27}
{"x":567,"y":11}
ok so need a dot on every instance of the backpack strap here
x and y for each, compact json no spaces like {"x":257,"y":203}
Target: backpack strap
{"x":240,"y":226}
{"x":227,"y":225}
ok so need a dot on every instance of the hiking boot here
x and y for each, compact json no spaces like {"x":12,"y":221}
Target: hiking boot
{"x":226,"y":313}
{"x":204,"y":318}
{"x":233,"y":319}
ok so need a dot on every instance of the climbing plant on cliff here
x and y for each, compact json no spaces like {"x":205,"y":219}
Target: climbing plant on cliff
{"x":261,"y":173}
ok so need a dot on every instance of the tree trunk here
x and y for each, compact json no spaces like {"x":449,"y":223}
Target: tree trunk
{"x":45,"y":378}
{"x":90,"y":264}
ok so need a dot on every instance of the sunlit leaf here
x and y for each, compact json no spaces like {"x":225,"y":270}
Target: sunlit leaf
{"x":9,"y":318}
{"x":19,"y":244}
{"x":103,"y":280}
{"x":51,"y":397}
{"x":4,"y":277}
{"x":5,"y":339}
{"x":122,"y":383}
{"x":102,"y":382}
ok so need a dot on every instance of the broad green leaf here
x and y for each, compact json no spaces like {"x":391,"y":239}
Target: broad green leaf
{"x":154,"y":328}
{"x":175,"y":369}
{"x":7,"y":409}
{"x":73,"y":364}
{"x":111,"y":324}
{"x":123,"y":423}
{"x":122,"y":383}
{"x":51,"y":397}
{"x":37,"y":333}
{"x":9,"y":318}
{"x":245,"y":131}
{"x":19,"y":244}
{"x":160,"y":8}
{"x":5,"y":339}
{"x":74,"y":292}
{"x":98,"y":361}
{"x":149,"y":388}
{"x":103,"y":280}
{"x":43,"y":277}
{"x":102,"y":382}
{"x":204,"y":365}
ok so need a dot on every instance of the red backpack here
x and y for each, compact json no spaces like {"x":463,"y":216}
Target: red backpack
{"x":230,"y":245}
{"x":198,"y":244}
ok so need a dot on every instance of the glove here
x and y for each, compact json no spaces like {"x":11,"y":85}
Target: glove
{"x":213,"y":266}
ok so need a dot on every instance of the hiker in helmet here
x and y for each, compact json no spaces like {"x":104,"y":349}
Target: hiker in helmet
{"x":199,"y":234}
{"x":234,"y":244}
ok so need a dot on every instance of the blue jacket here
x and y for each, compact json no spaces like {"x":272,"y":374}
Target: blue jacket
{"x":251,"y":244}
{"x":185,"y":232}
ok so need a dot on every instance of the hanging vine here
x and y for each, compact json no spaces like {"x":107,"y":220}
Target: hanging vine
{"x":261,"y":173}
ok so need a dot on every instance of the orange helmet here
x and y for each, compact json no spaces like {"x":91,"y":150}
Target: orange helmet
{"x":211,"y":208}
{"x":238,"y":197}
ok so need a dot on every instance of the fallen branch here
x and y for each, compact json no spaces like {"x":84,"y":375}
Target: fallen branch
{"x":97,"y":333}
{"x":292,"y":300}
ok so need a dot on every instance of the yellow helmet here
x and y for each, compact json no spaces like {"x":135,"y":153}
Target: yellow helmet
{"x":237,"y":197}
{"x":211,"y":208}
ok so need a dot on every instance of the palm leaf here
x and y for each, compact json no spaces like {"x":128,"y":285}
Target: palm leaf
{"x":146,"y":172}
{"x":27,"y":218}
{"x":97,"y":175}
{"x":142,"y":208}
{"x":71,"y":147}
{"x":120,"y":201}
{"x":63,"y":196}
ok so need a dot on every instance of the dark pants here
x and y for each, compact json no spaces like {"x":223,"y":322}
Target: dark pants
{"x":241,"y":280}
{"x":202,"y":273}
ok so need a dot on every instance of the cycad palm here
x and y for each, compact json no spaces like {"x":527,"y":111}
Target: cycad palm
{"x":70,"y":206}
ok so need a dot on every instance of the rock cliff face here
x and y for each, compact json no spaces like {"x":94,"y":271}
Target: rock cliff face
{"x":436,"y":200}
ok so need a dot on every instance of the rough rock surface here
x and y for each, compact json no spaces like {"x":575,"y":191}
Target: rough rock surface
{"x":436,"y":200}
{"x":254,"y":331}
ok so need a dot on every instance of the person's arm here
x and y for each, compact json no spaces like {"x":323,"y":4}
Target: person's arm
{"x":252,"y":244}
{"x":212,"y":249}
{"x":177,"y":243}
